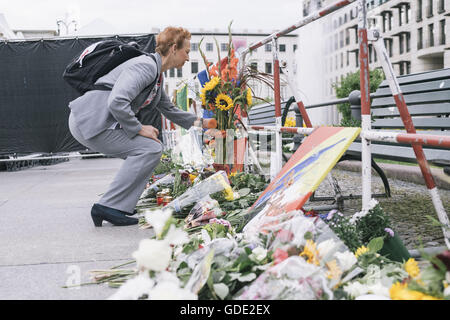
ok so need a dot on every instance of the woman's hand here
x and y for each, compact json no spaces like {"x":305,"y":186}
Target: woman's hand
{"x":149,"y":132}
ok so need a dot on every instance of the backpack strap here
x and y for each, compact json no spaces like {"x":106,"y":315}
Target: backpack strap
{"x":151,"y":85}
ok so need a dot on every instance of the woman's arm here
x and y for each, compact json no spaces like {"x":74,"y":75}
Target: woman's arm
{"x":132,"y":81}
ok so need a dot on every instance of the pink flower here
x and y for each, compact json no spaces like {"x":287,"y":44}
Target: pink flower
{"x":279,"y":255}
{"x":285,"y":235}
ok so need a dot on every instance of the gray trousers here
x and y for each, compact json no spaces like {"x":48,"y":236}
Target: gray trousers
{"x":141,"y":156}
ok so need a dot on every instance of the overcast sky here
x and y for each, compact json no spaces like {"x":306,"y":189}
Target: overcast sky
{"x":129,"y":16}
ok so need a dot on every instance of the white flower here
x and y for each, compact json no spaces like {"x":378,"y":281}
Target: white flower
{"x":166,"y":276}
{"x":379,"y":290}
{"x":346,"y":260}
{"x":153,"y":254}
{"x":325,"y":247}
{"x":168,"y":290}
{"x":447,"y":280}
{"x":134,"y":288}
{"x":356,"y":289}
{"x":365,"y":211}
{"x":157,"y":219}
{"x":258,"y":254}
{"x":176,"y":236}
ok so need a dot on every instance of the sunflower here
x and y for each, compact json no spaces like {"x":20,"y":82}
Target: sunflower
{"x":361,"y":251}
{"x":224,"y":102}
{"x":412,"y":268}
{"x":209,"y":86}
{"x":310,"y":252}
{"x":249,"y":97}
{"x":400,"y":291}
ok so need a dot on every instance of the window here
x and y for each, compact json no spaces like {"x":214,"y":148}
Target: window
{"x":442,"y":32}
{"x":341,"y":39}
{"x":269,"y":67}
{"x":165,"y":74}
{"x":370,"y":53}
{"x":391,"y":19}
{"x":172,"y":72}
{"x":194,"y":46}
{"x":408,"y":41}
{"x":282,"y":48}
{"x":400,"y":43}
{"x":357,"y":57}
{"x":268,"y":47}
{"x":375,"y":55}
{"x":348,"y":58}
{"x":441,"y":7}
{"x":408,"y":67}
{"x":347,"y":37}
{"x":180,"y":73}
{"x":430,"y":35}
{"x":419,"y":11}
{"x":430,"y":8}
{"x":400,"y":15}
{"x":345,"y":18}
{"x":335,"y":41}
{"x":419,"y":38}
{"x":194,"y":67}
{"x":254,"y":66}
{"x":407,"y":13}
{"x":295,"y":47}
{"x":342,"y":59}
{"x":209,"y":46}
{"x":224,"y":47}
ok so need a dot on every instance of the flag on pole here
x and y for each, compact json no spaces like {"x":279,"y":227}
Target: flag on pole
{"x":182,"y":98}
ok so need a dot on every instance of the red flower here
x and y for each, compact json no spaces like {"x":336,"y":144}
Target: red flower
{"x":445,"y":259}
{"x":279,"y":255}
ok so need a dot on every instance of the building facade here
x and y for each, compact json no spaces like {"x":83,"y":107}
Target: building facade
{"x":415,"y":33}
{"x":260,"y":59}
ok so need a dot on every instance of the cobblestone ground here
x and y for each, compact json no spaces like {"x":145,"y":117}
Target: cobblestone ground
{"x":407,"y":207}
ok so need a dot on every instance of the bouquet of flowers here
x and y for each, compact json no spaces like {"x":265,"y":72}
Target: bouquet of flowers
{"x":227,"y":93}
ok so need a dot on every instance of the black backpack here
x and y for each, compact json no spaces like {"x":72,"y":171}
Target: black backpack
{"x":97,"y":60}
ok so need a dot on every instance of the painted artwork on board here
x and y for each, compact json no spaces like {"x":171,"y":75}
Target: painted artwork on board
{"x":302,"y":174}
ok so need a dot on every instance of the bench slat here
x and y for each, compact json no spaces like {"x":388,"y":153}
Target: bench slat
{"x":432,"y":122}
{"x":414,"y":110}
{"x":437,"y":85}
{"x":425,"y":97}
{"x":420,"y":77}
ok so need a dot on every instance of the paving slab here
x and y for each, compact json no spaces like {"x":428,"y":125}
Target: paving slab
{"x":46,"y":228}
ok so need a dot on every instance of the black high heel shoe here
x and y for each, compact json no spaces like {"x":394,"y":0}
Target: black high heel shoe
{"x":114,"y":216}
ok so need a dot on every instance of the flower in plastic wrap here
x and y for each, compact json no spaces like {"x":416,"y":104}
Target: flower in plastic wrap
{"x":346,"y":260}
{"x":258,"y":254}
{"x":292,"y":279}
{"x":153,"y":255}
{"x":280,"y":255}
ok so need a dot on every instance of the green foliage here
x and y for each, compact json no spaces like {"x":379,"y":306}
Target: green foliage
{"x":372,"y":225}
{"x":350,"y":83}
{"x":346,"y":231}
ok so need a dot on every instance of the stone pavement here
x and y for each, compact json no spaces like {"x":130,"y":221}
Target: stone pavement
{"x":47,"y":236}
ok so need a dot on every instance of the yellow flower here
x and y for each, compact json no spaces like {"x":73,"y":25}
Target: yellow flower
{"x":203,"y":98}
{"x":192,"y":177}
{"x":334,"y":272}
{"x":310,"y":252}
{"x":249,"y":97}
{"x":412,"y":268}
{"x":224,"y":102}
{"x":400,"y":291}
{"x":290,"y":122}
{"x":210,"y":85}
{"x":360,"y":251}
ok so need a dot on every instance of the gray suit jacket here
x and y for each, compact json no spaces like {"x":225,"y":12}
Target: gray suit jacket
{"x":96,"y":110}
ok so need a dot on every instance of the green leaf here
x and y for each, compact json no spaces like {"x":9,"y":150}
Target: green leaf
{"x":221,"y":290}
{"x":246,"y":278}
{"x":244,"y":192}
{"x":375,"y":244}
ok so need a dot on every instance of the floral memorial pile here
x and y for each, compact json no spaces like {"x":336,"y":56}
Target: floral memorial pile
{"x":218,"y":233}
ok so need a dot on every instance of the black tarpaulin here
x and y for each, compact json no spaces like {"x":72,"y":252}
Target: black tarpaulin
{"x":34,"y":97}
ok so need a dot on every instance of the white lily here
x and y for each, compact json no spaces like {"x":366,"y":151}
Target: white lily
{"x":176,"y":236}
{"x":153,"y":255}
{"x":157,"y":219}
{"x":134,"y":288}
